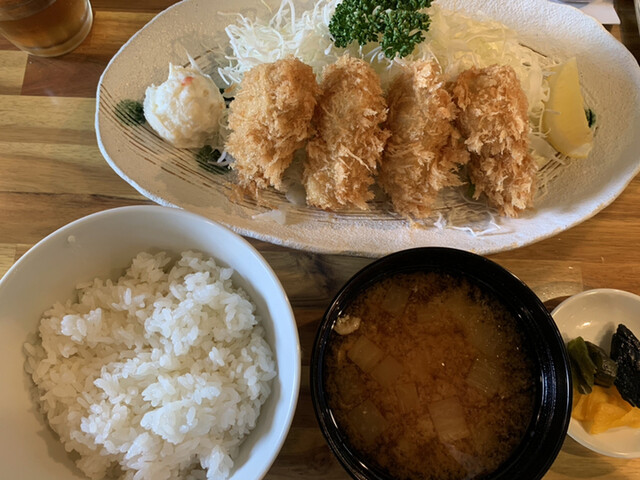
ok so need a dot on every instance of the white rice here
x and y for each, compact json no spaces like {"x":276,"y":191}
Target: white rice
{"x":156,"y":375}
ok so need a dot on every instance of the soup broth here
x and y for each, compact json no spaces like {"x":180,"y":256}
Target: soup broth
{"x":429,"y":378}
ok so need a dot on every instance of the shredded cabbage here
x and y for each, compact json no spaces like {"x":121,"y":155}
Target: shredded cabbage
{"x":456,"y":40}
{"x":259,"y":40}
{"x":459,"y":42}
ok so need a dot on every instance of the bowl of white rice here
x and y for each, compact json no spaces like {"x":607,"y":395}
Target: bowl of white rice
{"x":144,"y":343}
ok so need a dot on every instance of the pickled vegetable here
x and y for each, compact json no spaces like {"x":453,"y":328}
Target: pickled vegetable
{"x":590,"y":365}
{"x":583,"y":369}
{"x":606,"y":368}
{"x":625,"y":350}
{"x":604,"y":409}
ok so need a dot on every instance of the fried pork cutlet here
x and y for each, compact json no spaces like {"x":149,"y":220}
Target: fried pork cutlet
{"x":493,"y":118}
{"x":425,"y":149}
{"x":270,"y":119}
{"x":343,"y":157}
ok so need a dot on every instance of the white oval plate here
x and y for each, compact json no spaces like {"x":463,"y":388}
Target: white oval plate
{"x":169,"y":176}
{"x":594,"y":315}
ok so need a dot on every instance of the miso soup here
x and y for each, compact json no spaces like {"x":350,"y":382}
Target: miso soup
{"x":428,"y":377}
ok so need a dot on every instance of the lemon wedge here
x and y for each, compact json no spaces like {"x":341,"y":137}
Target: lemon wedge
{"x":564,"y":119}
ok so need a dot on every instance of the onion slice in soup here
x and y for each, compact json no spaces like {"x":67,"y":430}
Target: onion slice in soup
{"x":368,"y":421}
{"x":387,"y":371}
{"x":365,"y":354}
{"x":408,"y":397}
{"x":396,"y":300}
{"x":484,"y":376}
{"x":448,"y":419}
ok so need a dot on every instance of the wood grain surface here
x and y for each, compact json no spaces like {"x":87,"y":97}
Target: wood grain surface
{"x":51,"y":172}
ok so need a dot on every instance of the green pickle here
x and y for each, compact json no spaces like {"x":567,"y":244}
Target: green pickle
{"x":583,"y":369}
{"x":606,"y":368}
{"x":590,"y":365}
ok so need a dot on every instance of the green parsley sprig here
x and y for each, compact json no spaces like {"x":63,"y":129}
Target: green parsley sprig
{"x":398,"y":25}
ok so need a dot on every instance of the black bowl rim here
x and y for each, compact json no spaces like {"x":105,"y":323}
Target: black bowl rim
{"x":548,"y":429}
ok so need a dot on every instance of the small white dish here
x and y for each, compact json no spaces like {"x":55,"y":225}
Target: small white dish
{"x":594,"y":315}
{"x":102,"y":245}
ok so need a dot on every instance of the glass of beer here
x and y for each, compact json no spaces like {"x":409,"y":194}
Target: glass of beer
{"x":45,"y":28}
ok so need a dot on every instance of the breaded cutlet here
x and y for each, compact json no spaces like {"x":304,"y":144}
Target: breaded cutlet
{"x":425,"y":150}
{"x":270,"y":118}
{"x":343,"y":156}
{"x":493,"y":118}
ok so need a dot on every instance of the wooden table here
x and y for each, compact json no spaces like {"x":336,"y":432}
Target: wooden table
{"x":51,"y":172}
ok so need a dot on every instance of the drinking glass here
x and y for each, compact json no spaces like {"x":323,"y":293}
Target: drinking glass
{"x":45,"y":28}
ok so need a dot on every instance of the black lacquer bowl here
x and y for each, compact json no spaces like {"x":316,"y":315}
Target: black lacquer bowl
{"x":552,"y":408}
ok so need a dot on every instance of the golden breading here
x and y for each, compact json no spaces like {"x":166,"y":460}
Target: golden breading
{"x":425,"y":149}
{"x":270,"y":119}
{"x":343,"y":157}
{"x":493,"y":118}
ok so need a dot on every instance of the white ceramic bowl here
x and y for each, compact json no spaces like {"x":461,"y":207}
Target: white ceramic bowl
{"x":102,"y":245}
{"x":594,"y":315}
